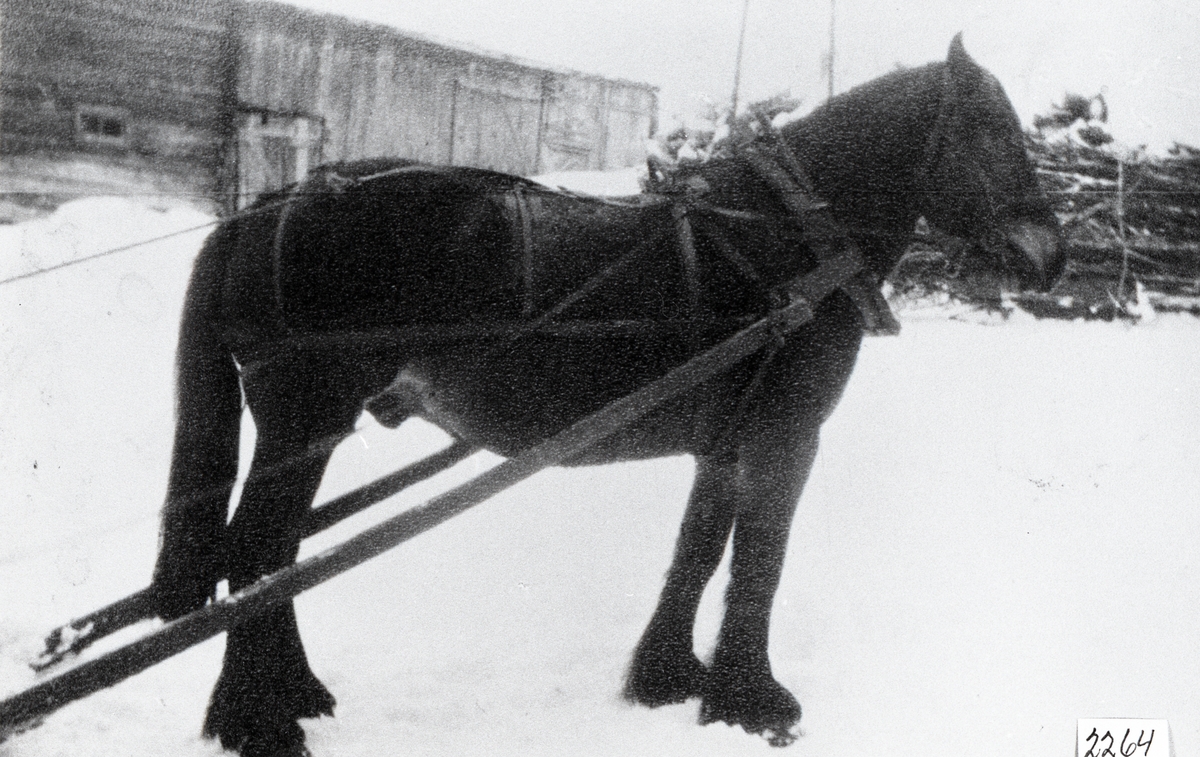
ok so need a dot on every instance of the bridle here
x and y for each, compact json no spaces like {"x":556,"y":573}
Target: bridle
{"x":935,"y":142}
{"x":934,"y":152}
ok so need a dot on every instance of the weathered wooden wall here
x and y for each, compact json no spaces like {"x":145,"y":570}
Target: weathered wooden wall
{"x":379,"y":91}
{"x":125,"y":95}
{"x":222,"y":99}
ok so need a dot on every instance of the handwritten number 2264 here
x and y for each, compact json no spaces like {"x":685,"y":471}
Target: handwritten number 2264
{"x":1104,"y":745}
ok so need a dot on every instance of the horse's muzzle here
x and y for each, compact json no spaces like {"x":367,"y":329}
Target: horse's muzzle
{"x":1040,"y":253}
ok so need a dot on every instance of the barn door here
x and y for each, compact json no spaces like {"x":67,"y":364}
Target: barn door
{"x":274,"y":151}
{"x":496,"y":130}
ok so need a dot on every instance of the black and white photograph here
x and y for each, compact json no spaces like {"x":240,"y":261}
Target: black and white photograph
{"x":524,"y":378}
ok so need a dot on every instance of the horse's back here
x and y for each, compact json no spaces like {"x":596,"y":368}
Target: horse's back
{"x":414,"y":244}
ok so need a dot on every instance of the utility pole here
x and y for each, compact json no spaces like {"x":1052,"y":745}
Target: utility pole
{"x":737,"y":68}
{"x":832,"y":41}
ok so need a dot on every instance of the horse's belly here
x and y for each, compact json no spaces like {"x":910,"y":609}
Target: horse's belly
{"x":510,"y":406}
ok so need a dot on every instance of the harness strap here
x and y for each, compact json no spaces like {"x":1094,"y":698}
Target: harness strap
{"x":518,"y":204}
{"x":783,"y":172}
{"x":726,"y":250}
{"x":803,"y":293}
{"x":687,"y":257}
{"x":281,"y":225}
{"x":878,"y":319}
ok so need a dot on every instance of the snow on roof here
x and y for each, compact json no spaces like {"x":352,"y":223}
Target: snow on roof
{"x":372,"y":28}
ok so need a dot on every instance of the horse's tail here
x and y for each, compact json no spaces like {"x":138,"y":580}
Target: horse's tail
{"x":204,"y":459}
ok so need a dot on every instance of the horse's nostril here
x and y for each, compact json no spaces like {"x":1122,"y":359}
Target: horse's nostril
{"x":1036,"y":252}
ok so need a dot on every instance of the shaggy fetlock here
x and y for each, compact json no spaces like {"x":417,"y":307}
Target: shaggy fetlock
{"x":749,"y":696}
{"x":662,"y":674}
{"x":276,"y":738}
{"x":308,"y":698}
{"x":259,"y":719}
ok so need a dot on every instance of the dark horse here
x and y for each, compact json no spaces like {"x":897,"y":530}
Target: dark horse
{"x":280,"y":297}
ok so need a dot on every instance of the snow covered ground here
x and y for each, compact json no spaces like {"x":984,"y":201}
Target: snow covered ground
{"x":999,"y":538}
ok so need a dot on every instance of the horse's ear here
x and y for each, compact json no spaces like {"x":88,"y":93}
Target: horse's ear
{"x":957,"y":49}
{"x":964,"y":71}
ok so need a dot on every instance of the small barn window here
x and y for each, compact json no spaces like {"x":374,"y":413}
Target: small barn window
{"x":101,"y":125}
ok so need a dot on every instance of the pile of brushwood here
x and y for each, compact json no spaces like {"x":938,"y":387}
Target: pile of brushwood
{"x":1132,"y":220}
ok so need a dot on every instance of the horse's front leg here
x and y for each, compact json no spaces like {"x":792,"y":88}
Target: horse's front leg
{"x":740,"y":688}
{"x":665,"y":669}
{"x":265,"y":683}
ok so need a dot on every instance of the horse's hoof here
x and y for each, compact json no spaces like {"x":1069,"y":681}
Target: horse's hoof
{"x":278,"y":738}
{"x":660,"y":677}
{"x":258,"y":723}
{"x":275,"y":745}
{"x":762,"y":707}
{"x":309,"y":700}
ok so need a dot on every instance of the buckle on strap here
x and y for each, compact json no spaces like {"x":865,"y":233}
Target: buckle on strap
{"x":878,"y":319}
{"x":805,"y":292}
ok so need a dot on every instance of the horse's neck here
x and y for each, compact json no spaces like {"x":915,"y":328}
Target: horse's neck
{"x":865,"y":152}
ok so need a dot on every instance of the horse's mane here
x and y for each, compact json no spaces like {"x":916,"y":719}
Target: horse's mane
{"x":908,"y":97}
{"x":899,"y":90}
{"x":872,"y":114}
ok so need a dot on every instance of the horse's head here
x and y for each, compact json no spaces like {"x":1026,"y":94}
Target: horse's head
{"x":979,"y":183}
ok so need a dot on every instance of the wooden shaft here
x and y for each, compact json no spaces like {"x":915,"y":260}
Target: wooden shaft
{"x":339,"y":508}
{"x":81,"y":633}
{"x":688,"y":260}
{"x":446,"y":335}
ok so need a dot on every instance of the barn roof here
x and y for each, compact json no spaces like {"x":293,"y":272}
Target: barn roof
{"x":286,"y":15}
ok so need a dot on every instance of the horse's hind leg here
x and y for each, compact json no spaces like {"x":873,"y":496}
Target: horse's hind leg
{"x":265,"y":683}
{"x":665,"y":669}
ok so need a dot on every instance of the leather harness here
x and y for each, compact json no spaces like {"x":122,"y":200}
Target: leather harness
{"x":770,"y":159}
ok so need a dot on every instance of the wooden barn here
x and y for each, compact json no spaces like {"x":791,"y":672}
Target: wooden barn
{"x":214,"y":101}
